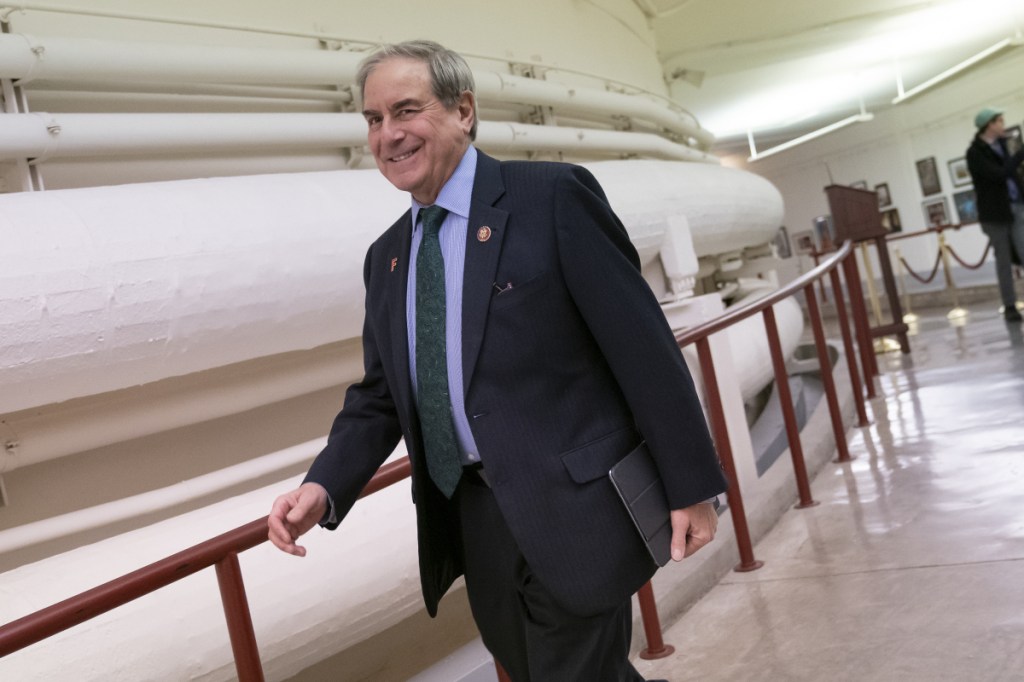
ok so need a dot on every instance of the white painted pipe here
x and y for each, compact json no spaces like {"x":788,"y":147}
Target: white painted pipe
{"x":63,"y":90}
{"x":42,"y":136}
{"x":499,"y":87}
{"x":26,"y":58}
{"x":509,"y":137}
{"x":135,"y":506}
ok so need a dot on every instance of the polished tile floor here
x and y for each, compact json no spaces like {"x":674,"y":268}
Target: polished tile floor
{"x":912,"y":567}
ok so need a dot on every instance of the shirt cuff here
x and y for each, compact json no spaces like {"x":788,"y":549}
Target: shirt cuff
{"x":330,"y":516}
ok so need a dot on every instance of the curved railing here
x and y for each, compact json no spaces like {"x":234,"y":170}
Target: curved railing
{"x":222,"y":551}
{"x":699,"y":336}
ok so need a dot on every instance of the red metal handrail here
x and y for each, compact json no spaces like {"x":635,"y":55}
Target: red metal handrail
{"x":222,"y":551}
{"x":699,"y":335}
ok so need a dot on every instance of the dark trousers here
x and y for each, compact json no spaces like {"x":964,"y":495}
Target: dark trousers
{"x":1007,"y":237}
{"x":533,"y":638}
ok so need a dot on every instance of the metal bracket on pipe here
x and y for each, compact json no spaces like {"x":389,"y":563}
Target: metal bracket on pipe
{"x":6,"y":12}
{"x":53,"y":130}
{"x":38,"y":50}
{"x":9,"y":456}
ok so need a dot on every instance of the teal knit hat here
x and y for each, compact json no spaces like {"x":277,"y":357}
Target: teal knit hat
{"x":986,"y":116}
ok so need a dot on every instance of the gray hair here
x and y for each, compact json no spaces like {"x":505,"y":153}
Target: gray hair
{"x":450,"y":75}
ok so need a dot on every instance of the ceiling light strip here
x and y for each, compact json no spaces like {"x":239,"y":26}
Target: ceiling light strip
{"x":856,"y":118}
{"x":949,"y":73}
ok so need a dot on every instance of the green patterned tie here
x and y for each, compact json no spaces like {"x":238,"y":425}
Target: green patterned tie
{"x":435,"y":403}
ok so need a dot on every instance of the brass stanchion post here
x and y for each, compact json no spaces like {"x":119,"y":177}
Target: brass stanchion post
{"x":909,"y":317}
{"x":884,"y":344}
{"x":957,"y":313}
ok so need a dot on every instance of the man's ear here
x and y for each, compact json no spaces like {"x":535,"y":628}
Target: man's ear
{"x":467,"y":110}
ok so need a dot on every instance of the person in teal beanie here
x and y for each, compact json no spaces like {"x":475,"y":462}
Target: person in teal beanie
{"x":1000,"y":199}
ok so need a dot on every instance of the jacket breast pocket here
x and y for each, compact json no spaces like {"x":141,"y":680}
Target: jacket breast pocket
{"x":510,"y":293}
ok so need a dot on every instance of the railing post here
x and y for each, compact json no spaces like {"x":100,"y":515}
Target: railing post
{"x":860,"y":323}
{"x":826,"y":375}
{"x":851,"y":359}
{"x":236,"y":611}
{"x":796,"y":449}
{"x":656,"y":647}
{"x":724,"y":448}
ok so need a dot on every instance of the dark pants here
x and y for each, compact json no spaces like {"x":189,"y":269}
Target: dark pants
{"x":1006,"y":236}
{"x":532,"y":637}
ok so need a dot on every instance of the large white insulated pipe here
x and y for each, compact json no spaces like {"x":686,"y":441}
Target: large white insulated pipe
{"x":110,"y":287}
{"x":43,"y":136}
{"x":27,"y":58}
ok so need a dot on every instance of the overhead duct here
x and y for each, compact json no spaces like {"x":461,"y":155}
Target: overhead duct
{"x":26,"y":59}
{"x":42,"y":136}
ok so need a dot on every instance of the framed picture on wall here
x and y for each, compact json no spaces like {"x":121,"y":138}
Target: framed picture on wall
{"x":935,"y":212}
{"x":966,"y":205}
{"x":928,"y":174}
{"x":882,"y":190}
{"x":804,"y":241}
{"x":891,"y":220}
{"x":1013,"y":139}
{"x":959,"y":173}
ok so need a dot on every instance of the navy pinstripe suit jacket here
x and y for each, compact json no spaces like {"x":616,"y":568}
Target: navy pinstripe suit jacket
{"x":565,"y":372}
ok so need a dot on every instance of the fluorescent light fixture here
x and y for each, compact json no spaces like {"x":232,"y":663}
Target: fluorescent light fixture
{"x":949,"y":73}
{"x":856,"y":118}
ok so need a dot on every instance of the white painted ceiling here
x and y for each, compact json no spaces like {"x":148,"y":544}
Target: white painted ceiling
{"x":782,"y":68}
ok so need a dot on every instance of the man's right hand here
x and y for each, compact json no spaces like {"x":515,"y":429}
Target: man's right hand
{"x":295,"y":513}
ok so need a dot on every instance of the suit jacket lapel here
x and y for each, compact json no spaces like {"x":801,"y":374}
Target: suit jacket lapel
{"x":398,"y":279}
{"x":484,"y":236}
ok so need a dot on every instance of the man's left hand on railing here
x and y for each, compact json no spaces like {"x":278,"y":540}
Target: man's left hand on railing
{"x":295,"y":513}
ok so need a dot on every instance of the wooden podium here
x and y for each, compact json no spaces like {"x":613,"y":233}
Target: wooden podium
{"x":855,"y":217}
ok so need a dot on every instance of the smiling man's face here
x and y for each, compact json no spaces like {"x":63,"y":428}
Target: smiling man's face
{"x":415,"y":140}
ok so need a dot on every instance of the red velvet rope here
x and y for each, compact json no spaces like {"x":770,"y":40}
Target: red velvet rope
{"x":977,"y":265}
{"x":929,"y":278}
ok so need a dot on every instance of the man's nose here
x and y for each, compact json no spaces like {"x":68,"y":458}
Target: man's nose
{"x":391,"y":129}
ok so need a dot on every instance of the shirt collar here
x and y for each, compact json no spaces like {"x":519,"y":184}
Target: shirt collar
{"x":457,"y":193}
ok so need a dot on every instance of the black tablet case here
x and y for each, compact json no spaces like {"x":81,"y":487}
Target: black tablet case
{"x":638,"y":483}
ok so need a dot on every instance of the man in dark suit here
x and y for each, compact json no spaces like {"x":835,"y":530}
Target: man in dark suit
{"x":559,"y":362}
{"x":1000,"y":199}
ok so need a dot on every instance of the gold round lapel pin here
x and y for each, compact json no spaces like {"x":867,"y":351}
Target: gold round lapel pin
{"x":483,"y":234}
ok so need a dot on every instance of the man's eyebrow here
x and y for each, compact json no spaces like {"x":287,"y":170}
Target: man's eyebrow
{"x":400,"y":104}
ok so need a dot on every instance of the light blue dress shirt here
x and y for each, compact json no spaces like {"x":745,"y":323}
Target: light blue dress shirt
{"x":456,"y":196}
